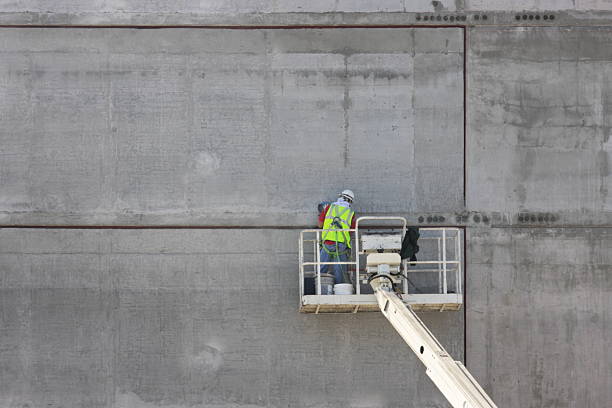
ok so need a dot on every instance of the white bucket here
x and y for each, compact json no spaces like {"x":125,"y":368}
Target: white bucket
{"x":327,"y":284}
{"x":343,"y":289}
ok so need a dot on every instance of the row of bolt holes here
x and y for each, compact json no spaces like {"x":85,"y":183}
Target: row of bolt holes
{"x":447,"y":18}
{"x":459,"y":218}
{"x":534,"y":17}
{"x":485,"y":219}
{"x":537,"y":218}
{"x":475,"y":218}
{"x":435,"y":218}
{"x":484,"y":17}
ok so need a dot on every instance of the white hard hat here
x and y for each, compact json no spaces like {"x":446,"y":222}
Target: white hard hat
{"x":348,"y":195}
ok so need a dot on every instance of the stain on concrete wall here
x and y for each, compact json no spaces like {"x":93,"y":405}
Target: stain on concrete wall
{"x":540,"y":115}
{"x":538,"y":136}
{"x":539,"y":313}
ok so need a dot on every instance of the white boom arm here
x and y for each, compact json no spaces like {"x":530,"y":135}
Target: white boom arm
{"x":451,"y":377}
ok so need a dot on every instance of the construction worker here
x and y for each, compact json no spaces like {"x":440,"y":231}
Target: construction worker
{"x":336,"y":245}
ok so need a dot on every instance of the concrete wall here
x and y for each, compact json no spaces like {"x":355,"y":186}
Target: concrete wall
{"x":540,"y":113}
{"x":204,"y":126}
{"x":152,"y":318}
{"x":118,"y":7}
{"x":538,"y":322}
{"x":129,"y":127}
{"x":538,"y":316}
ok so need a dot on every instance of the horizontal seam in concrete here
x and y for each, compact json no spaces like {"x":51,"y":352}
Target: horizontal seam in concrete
{"x":268,"y":227}
{"x":511,"y":26}
{"x":158,"y":227}
{"x":303,"y":27}
{"x":255,"y":227}
{"x":530,"y":226}
{"x":236,"y":27}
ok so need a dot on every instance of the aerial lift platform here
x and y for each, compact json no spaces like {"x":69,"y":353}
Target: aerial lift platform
{"x":383,"y":281}
{"x":433,"y":283}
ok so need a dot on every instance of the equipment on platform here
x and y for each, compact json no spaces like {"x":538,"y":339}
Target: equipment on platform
{"x":343,"y":289}
{"x":388,"y":276}
{"x":325,"y":284}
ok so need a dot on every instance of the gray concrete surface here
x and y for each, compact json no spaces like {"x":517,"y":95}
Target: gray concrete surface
{"x":313,"y":13}
{"x":540,"y":114}
{"x":131,"y":127}
{"x":117,"y":7}
{"x":151,"y":318}
{"x":183,"y":125}
{"x":538,"y":321}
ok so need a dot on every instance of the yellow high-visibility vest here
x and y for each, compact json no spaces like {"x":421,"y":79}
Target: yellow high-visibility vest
{"x":337,"y":217}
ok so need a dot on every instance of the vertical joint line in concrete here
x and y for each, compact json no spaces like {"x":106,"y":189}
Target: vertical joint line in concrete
{"x":465,"y":45}
{"x":346,"y":103}
{"x":465,"y":333}
{"x":465,"y":64}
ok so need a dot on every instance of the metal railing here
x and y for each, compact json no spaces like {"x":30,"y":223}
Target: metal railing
{"x":442,"y":264}
{"x":317,"y":256}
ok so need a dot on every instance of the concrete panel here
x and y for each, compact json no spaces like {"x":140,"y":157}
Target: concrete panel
{"x":521,"y":5}
{"x":227,"y":126}
{"x":175,"y":318}
{"x":539,"y":119}
{"x":537,"y":5}
{"x":538,"y":317}
{"x":120,"y":10}
{"x":219,"y":6}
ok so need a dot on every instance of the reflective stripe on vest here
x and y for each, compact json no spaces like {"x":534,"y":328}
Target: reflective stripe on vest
{"x":337,"y":217}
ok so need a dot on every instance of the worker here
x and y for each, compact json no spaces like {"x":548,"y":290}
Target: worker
{"x":336,"y":245}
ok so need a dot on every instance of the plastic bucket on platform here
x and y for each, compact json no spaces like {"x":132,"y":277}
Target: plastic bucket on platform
{"x":327,"y":284}
{"x":343,"y":289}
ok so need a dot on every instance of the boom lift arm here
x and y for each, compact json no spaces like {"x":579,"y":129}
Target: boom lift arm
{"x":451,"y":377}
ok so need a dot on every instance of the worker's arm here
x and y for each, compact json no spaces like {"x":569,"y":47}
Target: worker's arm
{"x":352,"y":233}
{"x":322,"y":216}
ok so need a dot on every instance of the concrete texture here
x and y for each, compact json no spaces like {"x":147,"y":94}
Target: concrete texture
{"x":116,"y":8}
{"x":153,"y":318}
{"x":218,"y":6}
{"x":539,"y":106}
{"x":539,"y":315}
{"x":538,"y":299}
{"x":129,"y":127}
{"x":214,"y":126}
